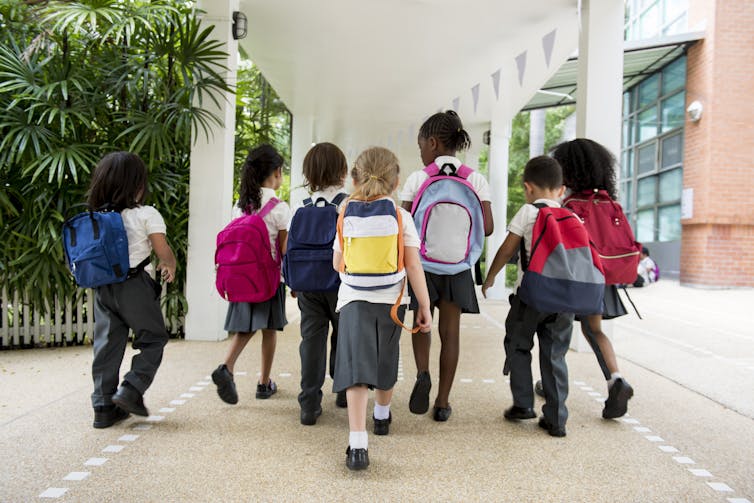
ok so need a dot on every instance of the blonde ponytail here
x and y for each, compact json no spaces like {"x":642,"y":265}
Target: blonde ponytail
{"x":376,"y":173}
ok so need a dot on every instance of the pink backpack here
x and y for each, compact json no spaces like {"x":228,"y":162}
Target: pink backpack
{"x":246,"y":270}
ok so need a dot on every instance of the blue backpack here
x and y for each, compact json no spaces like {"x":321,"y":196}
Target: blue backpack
{"x":96,"y":248}
{"x":448,"y":215}
{"x":307,"y":265}
{"x":563,"y":273}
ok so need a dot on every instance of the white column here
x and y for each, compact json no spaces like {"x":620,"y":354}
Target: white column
{"x":600,"y":89}
{"x":302,"y":137}
{"x":211,"y":189}
{"x":500,"y":134}
{"x":600,"y":78}
{"x":537,"y":120}
{"x":471,"y":156}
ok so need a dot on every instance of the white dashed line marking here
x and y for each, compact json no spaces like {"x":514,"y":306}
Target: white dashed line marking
{"x":187,"y":395}
{"x":177,"y":402}
{"x":155,"y":419}
{"x":128,"y":438}
{"x":720,"y":487}
{"x":587,"y":388}
{"x":95,"y":461}
{"x":142,"y":427}
{"x":579,"y":383}
{"x":683,"y":460}
{"x":76,"y":476}
{"x":196,"y":388}
{"x":203,"y":383}
{"x":667,"y":448}
{"x":467,"y":380}
{"x":113,"y":448}
{"x":488,"y":381}
{"x":167,"y":409}
{"x":285,"y":374}
{"x":699,"y":472}
{"x":642,"y":429}
{"x":630,"y":420}
{"x":654,"y":438}
{"x":54,"y":492}
{"x":738,"y":500}
{"x":594,"y":393}
{"x":243,"y":373}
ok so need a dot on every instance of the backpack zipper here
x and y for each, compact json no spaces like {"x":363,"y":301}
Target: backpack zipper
{"x":619,"y":256}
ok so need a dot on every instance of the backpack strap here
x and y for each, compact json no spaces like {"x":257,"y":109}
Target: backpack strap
{"x":268,"y":207}
{"x":339,"y":198}
{"x":522,"y":246}
{"x":134,"y":271}
{"x":308,"y":201}
{"x":432,"y":170}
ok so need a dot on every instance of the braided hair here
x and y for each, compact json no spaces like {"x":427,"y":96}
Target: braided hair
{"x":448,"y":129}
{"x":261,"y":162}
{"x":587,"y":165}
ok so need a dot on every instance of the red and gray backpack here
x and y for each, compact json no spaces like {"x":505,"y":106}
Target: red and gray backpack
{"x":610,"y":232}
{"x":563,"y":273}
{"x":246,"y":269}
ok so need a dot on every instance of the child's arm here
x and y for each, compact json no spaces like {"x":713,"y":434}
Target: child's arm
{"x":415,"y":273}
{"x":336,"y":257}
{"x":164,"y":253}
{"x":489,"y":223}
{"x":503,"y":255}
{"x":283,"y":240}
{"x":406,"y":205}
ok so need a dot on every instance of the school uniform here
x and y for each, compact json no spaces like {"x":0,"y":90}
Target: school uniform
{"x":457,"y":288}
{"x":247,"y":317}
{"x":368,"y":338}
{"x":553,"y":332}
{"x":318,"y":314}
{"x":133,"y":304}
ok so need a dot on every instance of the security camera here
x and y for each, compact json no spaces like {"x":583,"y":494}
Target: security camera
{"x":695,"y":111}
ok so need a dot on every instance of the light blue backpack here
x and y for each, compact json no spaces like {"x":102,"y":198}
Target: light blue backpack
{"x":448,"y":215}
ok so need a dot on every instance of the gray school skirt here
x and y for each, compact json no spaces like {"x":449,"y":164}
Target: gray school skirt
{"x":368,"y":346}
{"x":246,"y":317}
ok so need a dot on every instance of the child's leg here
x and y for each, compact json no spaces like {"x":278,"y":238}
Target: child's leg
{"x":421,"y":341}
{"x":520,"y":325}
{"x":449,"y":326}
{"x":554,"y":339}
{"x":109,"y":343}
{"x":358,"y":396}
{"x":315,"y":326}
{"x":237,"y":345}
{"x":269,"y":341}
{"x":383,"y":397}
{"x":591,"y":327}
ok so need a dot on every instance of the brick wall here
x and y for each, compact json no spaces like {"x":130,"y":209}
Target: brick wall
{"x":717,"y":247}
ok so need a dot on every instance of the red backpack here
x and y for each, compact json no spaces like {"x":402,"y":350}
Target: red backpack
{"x":246,"y":270}
{"x":610,"y":232}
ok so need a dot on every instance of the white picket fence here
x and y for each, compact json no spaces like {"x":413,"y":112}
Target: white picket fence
{"x":62,"y":325}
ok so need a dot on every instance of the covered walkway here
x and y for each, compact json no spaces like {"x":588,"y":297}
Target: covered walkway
{"x":689,"y":436}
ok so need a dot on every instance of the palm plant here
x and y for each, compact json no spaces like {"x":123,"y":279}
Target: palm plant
{"x":79,"y":79}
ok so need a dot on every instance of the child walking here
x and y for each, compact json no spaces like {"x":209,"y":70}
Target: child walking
{"x":440,"y":137}
{"x":119,"y":182}
{"x":588,"y":166}
{"x":261,"y":177}
{"x":543,"y":184}
{"x":325,"y":168}
{"x":368,"y":344}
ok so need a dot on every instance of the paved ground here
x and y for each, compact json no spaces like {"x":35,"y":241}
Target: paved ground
{"x":689,"y":435}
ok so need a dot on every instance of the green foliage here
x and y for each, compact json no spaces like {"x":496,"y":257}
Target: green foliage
{"x":79,"y":79}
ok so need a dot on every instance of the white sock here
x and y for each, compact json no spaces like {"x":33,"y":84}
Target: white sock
{"x":613,"y":377}
{"x":358,"y":440}
{"x":381,"y":411}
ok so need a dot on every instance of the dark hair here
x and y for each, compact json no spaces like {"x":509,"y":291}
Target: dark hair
{"x":448,"y":129}
{"x":261,"y":162}
{"x":325,"y":165}
{"x":587,"y":165}
{"x":119,"y":181}
{"x":645,"y":250}
{"x":544,"y":172}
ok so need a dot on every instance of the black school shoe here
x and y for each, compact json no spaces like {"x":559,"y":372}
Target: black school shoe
{"x":382,"y":426}
{"x":442,"y":414}
{"x":618,"y":396}
{"x":341,"y":400}
{"x":129,"y":399}
{"x":309,"y":417}
{"x":226,"y":386}
{"x":108,"y":415}
{"x":539,"y":389}
{"x":265,"y":391}
{"x":419,"y":401}
{"x":554,"y":431}
{"x":516,"y":413}
{"x":357,"y":459}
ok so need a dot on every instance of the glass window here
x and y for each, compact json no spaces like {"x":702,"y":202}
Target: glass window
{"x":672,"y":150}
{"x":673,"y":8}
{"x":626,"y":166}
{"x":626,"y":102}
{"x":669,"y":223}
{"x":647,"y":158}
{"x":647,"y":127}
{"x":625,"y":195}
{"x":673,"y":111}
{"x":648,"y":90}
{"x":674,"y":75}
{"x":680,"y":25}
{"x":650,"y":22}
{"x":671,"y":185}
{"x":645,"y":191}
{"x":645,"y":225}
{"x":628,"y":132}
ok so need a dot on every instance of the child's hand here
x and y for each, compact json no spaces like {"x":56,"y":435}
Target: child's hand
{"x":488,"y":283}
{"x":293,"y":294}
{"x":424,"y":319}
{"x":167,"y":272}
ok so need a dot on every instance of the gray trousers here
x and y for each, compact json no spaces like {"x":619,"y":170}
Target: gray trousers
{"x":317,"y":316}
{"x":133,"y":304}
{"x":554,"y":334}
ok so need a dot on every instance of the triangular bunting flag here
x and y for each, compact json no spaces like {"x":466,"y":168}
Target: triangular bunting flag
{"x":496,"y":84}
{"x":475,"y":96}
{"x":456,"y":103}
{"x":548,"y":41}
{"x":521,"y":64}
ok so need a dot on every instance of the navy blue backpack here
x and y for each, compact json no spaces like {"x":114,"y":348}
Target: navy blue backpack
{"x":96,"y":248}
{"x":307,"y":265}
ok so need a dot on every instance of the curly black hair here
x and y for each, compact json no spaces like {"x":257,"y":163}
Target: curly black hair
{"x":261,"y":162}
{"x":448,"y":129}
{"x":587,"y":165}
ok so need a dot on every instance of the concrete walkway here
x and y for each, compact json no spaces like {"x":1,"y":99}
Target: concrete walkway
{"x":689,"y":435}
